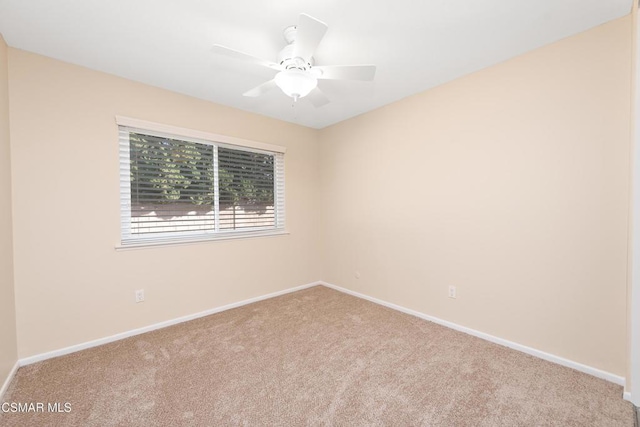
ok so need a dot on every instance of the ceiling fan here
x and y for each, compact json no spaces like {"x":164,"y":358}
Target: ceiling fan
{"x":297,"y":74}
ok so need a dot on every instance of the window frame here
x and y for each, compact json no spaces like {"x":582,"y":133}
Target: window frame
{"x":128,"y":241}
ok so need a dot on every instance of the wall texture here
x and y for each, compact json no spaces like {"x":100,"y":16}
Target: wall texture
{"x":633,"y":278}
{"x":71,"y":284}
{"x":511,"y":184}
{"x":8,"y":352}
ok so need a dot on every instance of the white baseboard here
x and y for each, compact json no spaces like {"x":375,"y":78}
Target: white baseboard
{"x":528,"y":350}
{"x":626,"y":396}
{"x":515,"y":346}
{"x":12,"y":374}
{"x":72,"y":349}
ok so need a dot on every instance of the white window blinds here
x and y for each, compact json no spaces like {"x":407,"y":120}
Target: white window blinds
{"x":176,"y":188}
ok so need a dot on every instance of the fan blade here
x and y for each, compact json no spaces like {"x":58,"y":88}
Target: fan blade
{"x":232,"y":53}
{"x":260,"y":90}
{"x":317,"y":98}
{"x":309,"y":32}
{"x":345,"y":72}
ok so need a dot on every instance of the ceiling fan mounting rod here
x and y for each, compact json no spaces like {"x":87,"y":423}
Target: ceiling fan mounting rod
{"x":289,"y":33}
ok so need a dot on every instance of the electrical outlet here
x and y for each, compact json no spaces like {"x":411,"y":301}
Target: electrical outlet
{"x":452,"y":291}
{"x":357,"y":274}
{"x":140,"y":295}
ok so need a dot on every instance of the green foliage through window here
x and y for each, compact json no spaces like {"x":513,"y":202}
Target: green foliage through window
{"x":173,"y":186}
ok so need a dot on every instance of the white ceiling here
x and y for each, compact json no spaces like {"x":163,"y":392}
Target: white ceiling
{"x":415,"y":44}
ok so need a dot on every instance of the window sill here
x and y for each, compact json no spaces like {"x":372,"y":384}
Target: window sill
{"x":234,"y":236}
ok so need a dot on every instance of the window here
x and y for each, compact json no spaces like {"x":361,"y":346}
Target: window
{"x":178,"y":188}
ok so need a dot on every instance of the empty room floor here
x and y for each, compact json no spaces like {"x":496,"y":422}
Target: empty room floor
{"x":313,"y":357}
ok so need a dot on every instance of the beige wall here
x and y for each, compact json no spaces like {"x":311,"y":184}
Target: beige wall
{"x":633,"y":277}
{"x":71,"y":284}
{"x":8,"y":352}
{"x":510,"y":184}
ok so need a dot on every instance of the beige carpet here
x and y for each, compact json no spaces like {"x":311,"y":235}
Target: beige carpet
{"x":314,"y":357}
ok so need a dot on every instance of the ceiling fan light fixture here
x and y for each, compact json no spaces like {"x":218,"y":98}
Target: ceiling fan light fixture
{"x":296,"y":83}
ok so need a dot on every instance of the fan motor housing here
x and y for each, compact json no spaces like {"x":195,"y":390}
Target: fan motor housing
{"x":285,"y":56}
